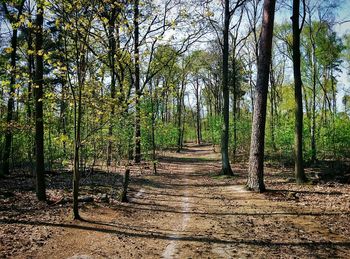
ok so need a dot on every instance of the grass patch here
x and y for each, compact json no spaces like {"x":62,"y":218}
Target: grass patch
{"x":217,"y":176}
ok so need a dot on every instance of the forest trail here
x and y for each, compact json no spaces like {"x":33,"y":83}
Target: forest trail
{"x":187,"y":212}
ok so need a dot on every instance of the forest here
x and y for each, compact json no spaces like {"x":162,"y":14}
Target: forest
{"x":174,"y":129}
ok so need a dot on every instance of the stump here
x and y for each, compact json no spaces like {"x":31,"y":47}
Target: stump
{"x":125,"y":185}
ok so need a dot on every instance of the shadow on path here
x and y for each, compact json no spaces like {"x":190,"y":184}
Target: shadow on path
{"x":159,"y":235}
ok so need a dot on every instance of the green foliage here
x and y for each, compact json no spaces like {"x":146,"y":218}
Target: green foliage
{"x":212,"y":131}
{"x":244,"y":128}
{"x":333,"y":141}
{"x":166,"y":135}
{"x":283,"y":139}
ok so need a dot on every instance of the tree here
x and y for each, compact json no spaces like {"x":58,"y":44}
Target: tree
{"x":277,"y":74}
{"x":235,"y":75}
{"x":346,"y":103}
{"x":180,"y":94}
{"x":137,"y":152}
{"x":38,"y":93}
{"x":347,"y":50}
{"x":78,"y":21}
{"x":224,"y":43}
{"x":324,"y":12}
{"x":298,"y":147}
{"x":256,"y":159}
{"x":254,"y":12}
{"x":111,"y":13}
{"x":13,"y":18}
{"x":197,"y":64}
{"x":226,"y":167}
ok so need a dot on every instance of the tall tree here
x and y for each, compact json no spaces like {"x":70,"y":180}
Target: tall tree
{"x":256,"y":159}
{"x":254,"y":12}
{"x":137,"y":152}
{"x":226,"y":167}
{"x":320,"y":15}
{"x":111,"y":13}
{"x":13,"y":19}
{"x":38,"y":92}
{"x":29,"y":35}
{"x":197,"y":63}
{"x":197,"y":93}
{"x":228,"y":14}
{"x":298,"y":134}
{"x":76,"y":48}
{"x":180,"y":94}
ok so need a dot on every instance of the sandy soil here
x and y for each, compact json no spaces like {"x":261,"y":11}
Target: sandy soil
{"x":187,"y":211}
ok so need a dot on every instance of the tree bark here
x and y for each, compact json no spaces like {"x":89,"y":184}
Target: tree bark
{"x":256,"y":159}
{"x":137,"y":152}
{"x":314,"y":84}
{"x":226,"y":167}
{"x":63,"y":115}
{"x":198,"y":113}
{"x":313,"y":120}
{"x":298,"y":134}
{"x":80,"y":60}
{"x":153,"y":128}
{"x":234,"y":107}
{"x":179,"y":115}
{"x":39,"y":118}
{"x":126,"y":179}
{"x":77,"y":142}
{"x":272,"y":107}
{"x":112,"y":54}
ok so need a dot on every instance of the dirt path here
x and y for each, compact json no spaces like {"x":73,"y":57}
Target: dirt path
{"x":186,"y":212}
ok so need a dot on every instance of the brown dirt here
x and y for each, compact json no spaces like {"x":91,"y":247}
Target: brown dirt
{"x":187,"y":211}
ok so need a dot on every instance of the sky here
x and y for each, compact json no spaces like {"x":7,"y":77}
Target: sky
{"x":342,"y":29}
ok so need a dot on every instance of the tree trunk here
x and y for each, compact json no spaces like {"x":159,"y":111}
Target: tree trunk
{"x":183,"y":126}
{"x":137,"y":152}
{"x":298,"y":134}
{"x":272,"y":106}
{"x":63,"y":115}
{"x":234,"y":107}
{"x":5,"y":167}
{"x":334,"y":111}
{"x":153,"y":125}
{"x":179,"y":115}
{"x":226,"y":168}
{"x":314,"y":82}
{"x":78,"y":114}
{"x":31,"y":146}
{"x":39,"y":118}
{"x":126,"y":179}
{"x":76,"y":178}
{"x":112,"y":53}
{"x":77,"y":144}
{"x":256,"y":159}
{"x":198,"y":113}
